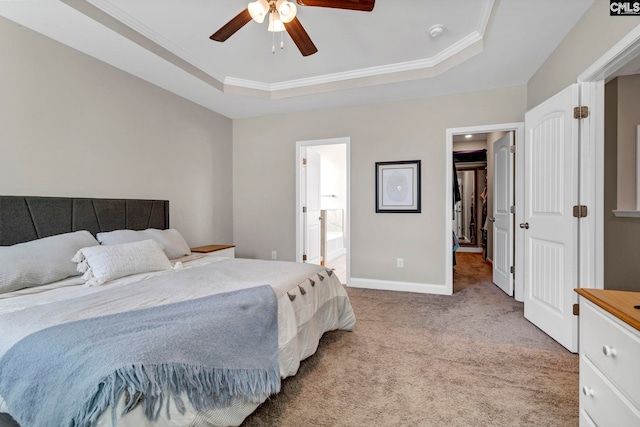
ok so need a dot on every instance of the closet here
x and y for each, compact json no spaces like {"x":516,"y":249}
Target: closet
{"x":470,"y":200}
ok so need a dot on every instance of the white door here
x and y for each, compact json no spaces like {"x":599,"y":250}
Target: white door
{"x":502,"y":216}
{"x":312,"y":195}
{"x":549,"y":230}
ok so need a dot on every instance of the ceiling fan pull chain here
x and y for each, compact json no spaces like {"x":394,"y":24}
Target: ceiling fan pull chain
{"x":281,"y":39}
{"x":273,"y":43}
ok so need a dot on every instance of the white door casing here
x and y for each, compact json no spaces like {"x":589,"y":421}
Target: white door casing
{"x":312,"y":193}
{"x":550,"y":231}
{"x":502,"y":216}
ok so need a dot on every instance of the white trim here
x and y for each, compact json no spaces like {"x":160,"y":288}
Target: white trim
{"x":485,"y":17}
{"x":400,"y":67}
{"x":591,"y":186}
{"x":361,"y":73}
{"x":298,"y":215}
{"x":626,"y":214}
{"x":598,"y":166}
{"x":387,"y":285}
{"x":448,"y":203}
{"x":518,"y":128}
{"x":615,"y":58}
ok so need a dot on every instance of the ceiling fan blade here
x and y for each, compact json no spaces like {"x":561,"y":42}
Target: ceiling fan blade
{"x":232,"y":26}
{"x":300,"y":37}
{"x":362,"y":5}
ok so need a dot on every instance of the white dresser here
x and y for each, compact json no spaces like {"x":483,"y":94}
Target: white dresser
{"x":609,"y":358}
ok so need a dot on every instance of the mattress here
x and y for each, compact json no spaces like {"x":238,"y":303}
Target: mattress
{"x":310,"y":301}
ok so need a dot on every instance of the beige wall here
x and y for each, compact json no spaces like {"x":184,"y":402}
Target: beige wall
{"x":594,"y":34}
{"x":73,"y":126}
{"x":621,"y":235}
{"x":264,"y":177}
{"x":628,"y":119}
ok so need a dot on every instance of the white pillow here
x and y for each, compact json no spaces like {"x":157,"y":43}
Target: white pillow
{"x":41,"y":261}
{"x":101,"y":264}
{"x":171,"y":240}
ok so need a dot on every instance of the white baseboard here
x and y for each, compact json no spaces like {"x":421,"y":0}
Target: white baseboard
{"x":423,"y":288}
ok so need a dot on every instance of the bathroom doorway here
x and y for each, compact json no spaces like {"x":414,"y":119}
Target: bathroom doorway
{"x":322,"y":217}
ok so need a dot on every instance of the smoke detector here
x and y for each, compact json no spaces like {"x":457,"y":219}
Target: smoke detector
{"x":436,"y":30}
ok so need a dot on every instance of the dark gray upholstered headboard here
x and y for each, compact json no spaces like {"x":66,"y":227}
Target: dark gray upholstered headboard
{"x":28,"y":218}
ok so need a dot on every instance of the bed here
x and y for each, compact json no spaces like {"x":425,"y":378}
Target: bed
{"x":178,"y":339}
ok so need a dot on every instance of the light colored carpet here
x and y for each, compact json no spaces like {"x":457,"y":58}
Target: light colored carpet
{"x":470,"y":359}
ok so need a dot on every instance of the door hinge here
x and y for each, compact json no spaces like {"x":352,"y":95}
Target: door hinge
{"x":512,"y":149}
{"x":304,"y":209}
{"x":304,"y":161}
{"x":581,"y":112}
{"x":304,"y":257}
{"x":512,"y":209}
{"x":512,"y":269}
{"x":579,"y":211}
{"x":576,"y":309}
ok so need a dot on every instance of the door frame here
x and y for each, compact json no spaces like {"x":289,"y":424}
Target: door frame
{"x":300,"y":146}
{"x":591,"y":228}
{"x":518,"y":129}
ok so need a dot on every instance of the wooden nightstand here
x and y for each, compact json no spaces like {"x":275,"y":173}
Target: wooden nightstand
{"x":220,"y":250}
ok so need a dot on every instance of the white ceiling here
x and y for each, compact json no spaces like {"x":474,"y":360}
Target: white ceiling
{"x":362,"y":57}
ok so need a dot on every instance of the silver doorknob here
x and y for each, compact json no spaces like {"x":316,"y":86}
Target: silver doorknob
{"x":524,"y":225}
{"x":492,"y":219}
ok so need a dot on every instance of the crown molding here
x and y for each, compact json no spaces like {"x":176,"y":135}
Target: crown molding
{"x":108,"y":14}
{"x":400,"y":67}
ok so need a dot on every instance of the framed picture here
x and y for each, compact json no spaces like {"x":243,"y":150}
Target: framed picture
{"x":398,"y":186}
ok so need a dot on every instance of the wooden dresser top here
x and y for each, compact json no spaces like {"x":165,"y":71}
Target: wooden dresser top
{"x":619,"y":303}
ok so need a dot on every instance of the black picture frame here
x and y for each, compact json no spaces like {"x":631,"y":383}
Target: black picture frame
{"x":398,"y":187}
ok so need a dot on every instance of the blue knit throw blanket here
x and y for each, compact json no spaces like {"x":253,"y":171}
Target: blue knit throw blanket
{"x":210,"y":349}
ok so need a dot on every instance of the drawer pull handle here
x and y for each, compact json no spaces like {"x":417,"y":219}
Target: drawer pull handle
{"x":587,"y":391}
{"x":609,"y":351}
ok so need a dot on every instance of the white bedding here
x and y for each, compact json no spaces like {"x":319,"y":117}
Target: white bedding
{"x":305,"y":312}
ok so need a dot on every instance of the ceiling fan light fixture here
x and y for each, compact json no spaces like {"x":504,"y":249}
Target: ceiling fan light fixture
{"x":275,"y":24}
{"x":258,"y":10}
{"x":287,"y":10}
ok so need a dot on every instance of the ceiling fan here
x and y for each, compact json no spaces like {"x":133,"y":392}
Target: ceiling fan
{"x":282,"y":16}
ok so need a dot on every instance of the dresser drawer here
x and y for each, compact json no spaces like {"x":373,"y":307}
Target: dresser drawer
{"x":601,"y":402}
{"x":613,"y":348}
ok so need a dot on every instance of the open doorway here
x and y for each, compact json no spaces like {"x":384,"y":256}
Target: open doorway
{"x":483,"y":198}
{"x":470,"y":208}
{"x":322,"y":205}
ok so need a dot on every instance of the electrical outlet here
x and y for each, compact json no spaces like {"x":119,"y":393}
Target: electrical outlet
{"x":400,"y":263}
{"x":274,"y":255}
